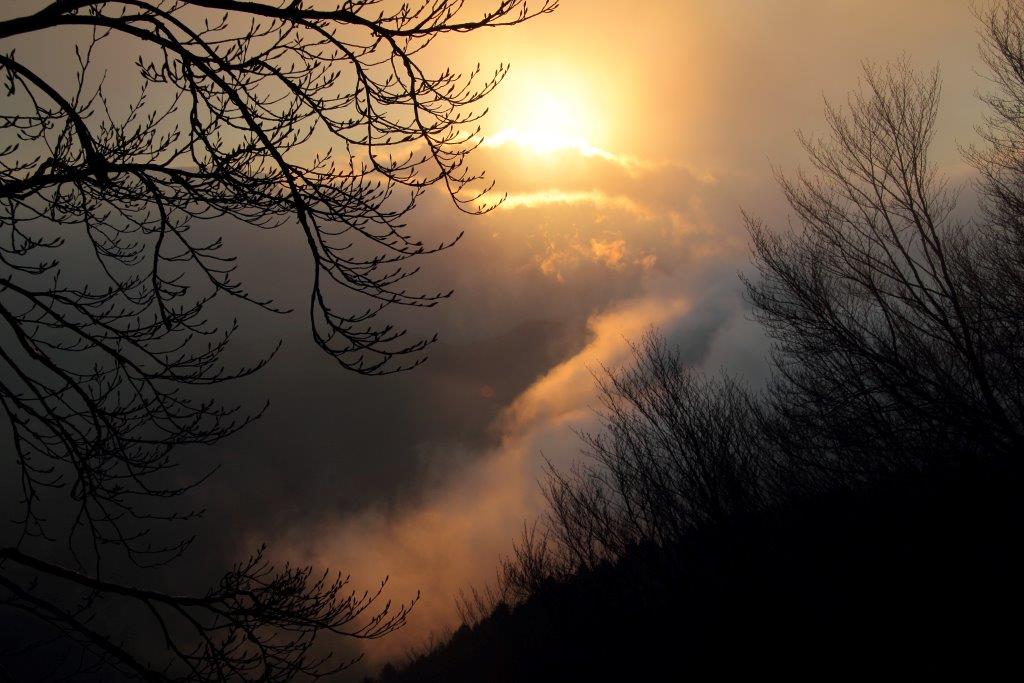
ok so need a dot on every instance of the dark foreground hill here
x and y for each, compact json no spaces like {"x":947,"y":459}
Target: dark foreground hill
{"x":919,"y":573}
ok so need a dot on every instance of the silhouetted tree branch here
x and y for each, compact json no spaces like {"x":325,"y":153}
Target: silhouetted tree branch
{"x":259,"y":623}
{"x":292,"y":115}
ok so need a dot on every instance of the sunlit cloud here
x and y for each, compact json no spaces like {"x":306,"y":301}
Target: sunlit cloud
{"x":549,"y":142}
{"x":455,"y":537}
{"x":611,"y":252}
{"x":585,"y":229}
{"x":594,"y":197}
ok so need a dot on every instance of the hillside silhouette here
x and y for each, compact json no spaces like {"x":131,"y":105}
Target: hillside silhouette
{"x":917,"y":572}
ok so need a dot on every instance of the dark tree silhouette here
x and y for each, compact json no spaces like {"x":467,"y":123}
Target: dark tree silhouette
{"x":996,"y":271}
{"x":676,"y":450}
{"x":290,"y":114}
{"x":258,"y":623}
{"x":889,"y":349}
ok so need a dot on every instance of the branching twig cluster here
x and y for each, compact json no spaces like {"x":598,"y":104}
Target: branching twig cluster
{"x":287,"y":114}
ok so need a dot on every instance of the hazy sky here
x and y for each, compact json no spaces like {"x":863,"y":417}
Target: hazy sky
{"x":627,"y":136}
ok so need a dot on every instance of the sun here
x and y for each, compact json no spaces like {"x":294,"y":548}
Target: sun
{"x":546,"y":121}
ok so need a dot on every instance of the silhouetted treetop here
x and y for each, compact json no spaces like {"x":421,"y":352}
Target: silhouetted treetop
{"x":877,"y":299}
{"x":265,"y":112}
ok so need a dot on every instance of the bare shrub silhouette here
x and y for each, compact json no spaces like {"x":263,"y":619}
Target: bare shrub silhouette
{"x":113,"y":283}
{"x":676,"y":450}
{"x":535,"y":562}
{"x":885,"y":345}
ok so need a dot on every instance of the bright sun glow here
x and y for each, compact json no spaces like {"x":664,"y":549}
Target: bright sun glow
{"x":544,"y":122}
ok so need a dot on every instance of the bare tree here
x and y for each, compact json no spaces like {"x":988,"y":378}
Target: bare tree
{"x":996,"y":271}
{"x":885,"y":356}
{"x":537,"y":559}
{"x":677,"y":450}
{"x":288,"y":114}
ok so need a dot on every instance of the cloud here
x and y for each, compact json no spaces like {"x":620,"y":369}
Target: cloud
{"x":456,"y":535}
{"x":610,"y":252}
{"x":540,"y":143}
{"x":597,"y":198}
